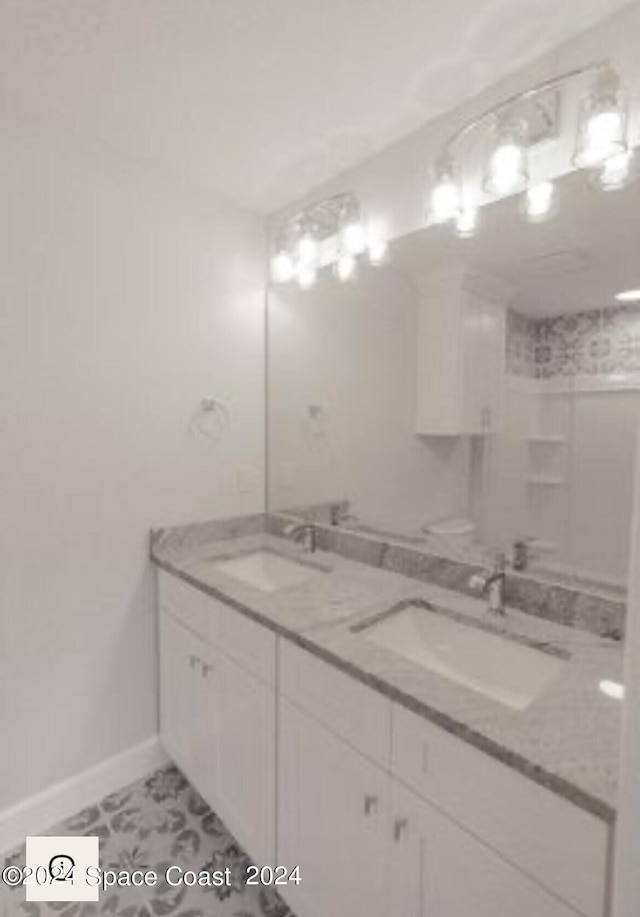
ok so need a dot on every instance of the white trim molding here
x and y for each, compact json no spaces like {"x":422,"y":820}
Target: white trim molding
{"x":574,"y":385}
{"x":38,"y":813}
{"x":626,"y":876}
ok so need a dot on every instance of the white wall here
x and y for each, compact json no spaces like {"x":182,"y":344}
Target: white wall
{"x":352,"y":350}
{"x":123,"y":300}
{"x":588,"y":517}
{"x":602,"y":473}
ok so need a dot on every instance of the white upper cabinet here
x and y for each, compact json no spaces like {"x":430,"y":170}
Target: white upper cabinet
{"x":460,"y":353}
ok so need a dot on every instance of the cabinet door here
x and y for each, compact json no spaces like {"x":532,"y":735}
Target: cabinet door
{"x":484,"y":336}
{"x":332,"y":821}
{"x":438,"y":870}
{"x":245,"y":765}
{"x":187,"y":703}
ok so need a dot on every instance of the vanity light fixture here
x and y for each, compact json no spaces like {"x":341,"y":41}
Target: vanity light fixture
{"x":353,"y":240}
{"x":602,"y":121}
{"x":512,"y":128}
{"x":612,"y":689}
{"x":306,"y":276}
{"x":308,"y":250}
{"x":283,"y":268}
{"x":617,"y":172}
{"x":336,"y":223}
{"x":346,"y":267}
{"x":467,"y":221}
{"x":540,"y":201}
{"x":507,"y":170}
{"x":377,"y":248}
{"x":446,"y":194}
{"x":628,"y":296}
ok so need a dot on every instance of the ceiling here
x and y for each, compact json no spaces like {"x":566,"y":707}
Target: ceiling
{"x":263,"y":99}
{"x":575,"y":262}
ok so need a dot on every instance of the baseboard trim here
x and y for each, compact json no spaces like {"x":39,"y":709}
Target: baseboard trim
{"x":39,"y":812}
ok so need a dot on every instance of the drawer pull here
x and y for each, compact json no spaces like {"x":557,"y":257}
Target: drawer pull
{"x":399,"y":827}
{"x":194,"y":660}
{"x":370,"y":804}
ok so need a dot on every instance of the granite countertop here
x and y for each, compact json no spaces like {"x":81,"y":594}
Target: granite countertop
{"x":566,"y":739}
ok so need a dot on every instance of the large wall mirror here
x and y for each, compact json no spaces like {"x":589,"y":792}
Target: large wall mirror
{"x":472,"y":395}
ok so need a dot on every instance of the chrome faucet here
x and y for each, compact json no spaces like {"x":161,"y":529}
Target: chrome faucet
{"x":340,"y":513}
{"x":521,"y":553}
{"x":304,"y":533}
{"x":492,"y":585}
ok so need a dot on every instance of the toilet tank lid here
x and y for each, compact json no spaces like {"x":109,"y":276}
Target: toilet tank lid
{"x":456,"y":526}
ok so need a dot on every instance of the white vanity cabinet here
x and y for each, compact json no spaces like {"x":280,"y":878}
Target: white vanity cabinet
{"x":332,"y":817}
{"x":218,"y":709}
{"x":562,"y":847}
{"x":440,"y":870}
{"x":419,"y":824}
{"x":187,"y":703}
{"x":384,"y":813}
{"x":245,"y":759}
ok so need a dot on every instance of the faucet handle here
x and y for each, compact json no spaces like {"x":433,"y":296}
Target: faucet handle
{"x":500,"y":561}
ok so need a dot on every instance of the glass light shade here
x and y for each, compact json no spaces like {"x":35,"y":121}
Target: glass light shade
{"x":627,"y":296}
{"x":308,"y":250}
{"x":467,"y":221}
{"x":378,"y":250}
{"x":507,"y":168}
{"x":282,"y":267}
{"x":307,"y":277}
{"x":346,"y":267}
{"x":540,"y":202}
{"x":602,"y":123}
{"x":446,"y":195}
{"x":617,"y":172}
{"x":353,"y":238}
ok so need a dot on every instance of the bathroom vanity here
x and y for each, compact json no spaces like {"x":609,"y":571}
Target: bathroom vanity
{"x":395,"y":788}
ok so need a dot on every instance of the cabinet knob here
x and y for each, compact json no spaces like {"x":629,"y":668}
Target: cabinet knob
{"x":194,"y":660}
{"x":370,"y":804}
{"x":206,"y":668}
{"x":399,"y":827}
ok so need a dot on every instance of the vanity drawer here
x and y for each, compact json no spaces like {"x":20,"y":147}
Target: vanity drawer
{"x":245,"y":641}
{"x":356,"y":713}
{"x":187,"y":604}
{"x":560,"y":845}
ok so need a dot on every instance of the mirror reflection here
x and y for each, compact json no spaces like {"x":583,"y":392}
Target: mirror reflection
{"x":474,"y":395}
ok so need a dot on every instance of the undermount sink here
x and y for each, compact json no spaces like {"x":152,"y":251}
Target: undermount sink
{"x":268,"y":571}
{"x":500,"y":667}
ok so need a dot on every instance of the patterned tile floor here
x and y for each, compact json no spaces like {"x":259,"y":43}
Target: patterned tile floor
{"x":158,"y":821}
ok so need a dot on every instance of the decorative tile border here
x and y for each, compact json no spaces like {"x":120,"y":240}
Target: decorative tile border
{"x":594,"y":343}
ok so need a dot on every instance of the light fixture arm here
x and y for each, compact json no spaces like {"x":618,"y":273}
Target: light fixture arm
{"x":515,"y":98}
